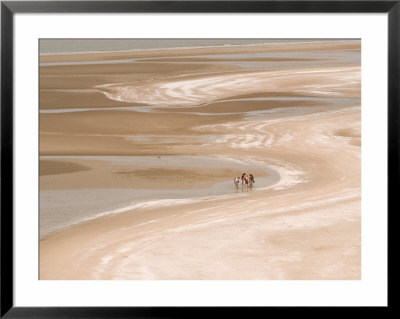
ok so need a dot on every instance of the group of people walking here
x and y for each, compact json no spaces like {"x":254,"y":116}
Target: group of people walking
{"x":247,"y":181}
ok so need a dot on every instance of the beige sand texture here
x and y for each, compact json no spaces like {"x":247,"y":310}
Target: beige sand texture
{"x":161,"y":137}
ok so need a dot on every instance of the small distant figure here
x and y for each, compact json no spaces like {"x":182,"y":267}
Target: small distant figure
{"x":246,"y":182}
{"x":251,"y":180}
{"x":236,"y":182}
{"x":243,"y":175}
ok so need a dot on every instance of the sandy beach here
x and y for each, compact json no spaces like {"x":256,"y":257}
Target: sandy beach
{"x":139,"y":149}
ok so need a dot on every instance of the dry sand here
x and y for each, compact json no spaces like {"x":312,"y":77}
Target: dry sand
{"x":301,"y":122}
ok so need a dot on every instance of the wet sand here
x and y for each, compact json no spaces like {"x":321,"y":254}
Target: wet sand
{"x":137,"y":161}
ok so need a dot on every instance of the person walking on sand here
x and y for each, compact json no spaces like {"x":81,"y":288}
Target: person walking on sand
{"x":251,"y":180}
{"x":243,"y":175}
{"x":236,"y":182}
{"x":246,"y":181}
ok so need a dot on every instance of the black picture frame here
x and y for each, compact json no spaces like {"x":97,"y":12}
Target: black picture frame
{"x":9,"y":8}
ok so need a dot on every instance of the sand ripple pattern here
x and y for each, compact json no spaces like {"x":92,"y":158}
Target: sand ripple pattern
{"x":200,"y":89}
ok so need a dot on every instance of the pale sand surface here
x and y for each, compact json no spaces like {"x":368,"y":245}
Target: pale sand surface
{"x":177,"y":147}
